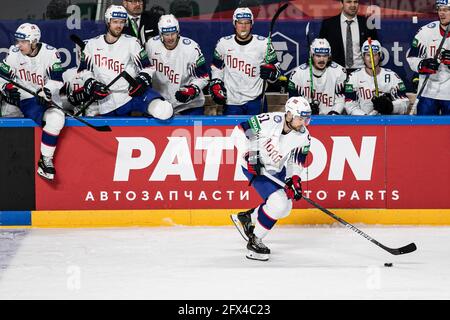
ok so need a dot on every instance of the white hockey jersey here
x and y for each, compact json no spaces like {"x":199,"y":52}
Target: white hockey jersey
{"x":425,"y":44}
{"x":182,"y":66}
{"x":328,"y":86}
{"x":105,"y":61}
{"x":264,"y":133}
{"x":44,"y":69}
{"x":360,"y":89}
{"x":238,"y":67}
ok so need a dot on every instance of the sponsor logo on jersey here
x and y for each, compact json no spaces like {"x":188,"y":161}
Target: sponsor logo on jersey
{"x":305,"y":149}
{"x":32,"y":77}
{"x":108,"y":63}
{"x":241,"y":65}
{"x":4,"y":68}
{"x":171,"y":74}
{"x":349,"y":87}
{"x":57,"y":67}
{"x":254,"y":124}
{"x":415,"y":43}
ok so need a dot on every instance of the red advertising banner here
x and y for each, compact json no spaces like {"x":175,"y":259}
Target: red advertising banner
{"x":195,"y":167}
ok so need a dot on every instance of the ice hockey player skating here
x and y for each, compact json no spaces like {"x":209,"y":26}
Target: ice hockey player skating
{"x":278,"y":142}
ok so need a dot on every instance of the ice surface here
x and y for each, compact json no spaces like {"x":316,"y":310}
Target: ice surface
{"x":210,"y":263}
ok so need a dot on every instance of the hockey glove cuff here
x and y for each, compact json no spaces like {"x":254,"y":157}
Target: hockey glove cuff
{"x":95,"y":89}
{"x":428,"y":66}
{"x":11,"y":94}
{"x":383,"y":104}
{"x":268,"y":72}
{"x":293,"y":188}
{"x":143,"y":82}
{"x":218,"y":91}
{"x":77,"y":97}
{"x":445,"y":57}
{"x":187,"y":93}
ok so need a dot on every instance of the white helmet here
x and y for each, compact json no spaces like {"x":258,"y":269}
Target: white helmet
{"x":376,"y":47}
{"x":115,"y":12}
{"x":242,"y":14}
{"x":320,"y":46}
{"x":28,"y":31}
{"x":442,"y":3}
{"x":299,"y":107}
{"x":168,"y":24}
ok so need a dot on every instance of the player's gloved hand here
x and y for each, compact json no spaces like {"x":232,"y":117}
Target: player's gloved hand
{"x":415,"y":82}
{"x":254,"y":164}
{"x":95,"y":89}
{"x":187,"y":93}
{"x":293,"y":188}
{"x":218,"y":91}
{"x":77,"y":97}
{"x":315,"y":107}
{"x":268,"y":71}
{"x":428,"y":66}
{"x":11,"y":94}
{"x":383,"y":104}
{"x":333,"y":113}
{"x":44,"y":97}
{"x":143,"y":82}
{"x":445,"y":57}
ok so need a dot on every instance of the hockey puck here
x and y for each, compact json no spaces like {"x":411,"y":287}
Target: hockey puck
{"x":388,"y":264}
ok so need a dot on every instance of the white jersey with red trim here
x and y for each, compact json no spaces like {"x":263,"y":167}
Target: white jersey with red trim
{"x":104,"y":61}
{"x":238,"y":67}
{"x":425,"y":44}
{"x":44,"y":69}
{"x":328,"y":86}
{"x":264,"y":133}
{"x":360,"y":89}
{"x":182,"y":66}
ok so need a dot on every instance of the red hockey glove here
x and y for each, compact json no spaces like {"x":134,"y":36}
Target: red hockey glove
{"x":187,"y":93}
{"x":293,"y":188}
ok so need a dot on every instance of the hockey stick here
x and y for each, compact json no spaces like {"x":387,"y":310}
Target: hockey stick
{"x":436,"y":55}
{"x":310,"y":62}
{"x":120,"y":75}
{"x":269,"y":44}
{"x":403,"y":250}
{"x":98,"y":128}
{"x":78,"y":41}
{"x":374,"y":71}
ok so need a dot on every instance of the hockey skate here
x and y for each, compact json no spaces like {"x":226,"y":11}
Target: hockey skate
{"x":256,"y":249}
{"x":46,"y":169}
{"x":243,"y":222}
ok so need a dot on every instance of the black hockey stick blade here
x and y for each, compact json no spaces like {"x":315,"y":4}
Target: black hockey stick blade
{"x":277,"y":14}
{"x":78,"y":41}
{"x":403,"y":250}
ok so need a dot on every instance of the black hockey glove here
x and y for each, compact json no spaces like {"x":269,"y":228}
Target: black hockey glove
{"x":44,"y":97}
{"x":143,"y":82}
{"x":293,"y":188}
{"x":383,"y":104}
{"x":218,"y":91}
{"x":445,"y":57}
{"x":268,"y":72}
{"x":187,"y":93}
{"x":11,"y":94}
{"x":77,"y":97}
{"x":95,"y":89}
{"x":315,"y":107}
{"x":254,"y":164}
{"x":428,"y":66}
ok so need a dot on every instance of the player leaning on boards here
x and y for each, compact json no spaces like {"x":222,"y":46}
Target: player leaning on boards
{"x":240,"y":65}
{"x":105,"y":57}
{"x":368,"y":95}
{"x":322,"y":82}
{"x":37,"y":66}
{"x":435,"y":95}
{"x":180,"y":68}
{"x":279,"y":142}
